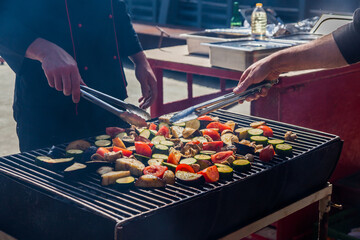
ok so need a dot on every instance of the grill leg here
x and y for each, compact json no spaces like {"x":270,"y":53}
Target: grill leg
{"x":324,"y":209}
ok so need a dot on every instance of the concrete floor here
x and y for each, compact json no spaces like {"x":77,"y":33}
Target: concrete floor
{"x":172,"y":83}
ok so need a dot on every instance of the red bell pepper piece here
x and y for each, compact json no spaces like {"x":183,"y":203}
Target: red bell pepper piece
{"x":164,"y":131}
{"x":185,"y":168}
{"x":126,"y":153}
{"x":211,"y":174}
{"x":213,"y":146}
{"x":102,"y":151}
{"x":155,"y":170}
{"x":215,"y":136}
{"x":143,"y":149}
{"x":268,"y":132}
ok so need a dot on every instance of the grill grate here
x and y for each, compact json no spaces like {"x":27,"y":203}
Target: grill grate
{"x":124,"y":206}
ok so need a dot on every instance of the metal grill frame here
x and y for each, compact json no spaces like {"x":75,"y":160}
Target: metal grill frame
{"x":276,"y":182}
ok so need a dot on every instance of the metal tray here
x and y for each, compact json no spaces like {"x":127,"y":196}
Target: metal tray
{"x":194,"y":40}
{"x":305,"y":37}
{"x":240,"y":54}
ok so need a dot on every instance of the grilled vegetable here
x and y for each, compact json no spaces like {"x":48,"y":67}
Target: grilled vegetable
{"x":155,"y":161}
{"x":96,"y":164}
{"x":152,"y":126}
{"x":78,"y":144}
{"x":125,"y":152}
{"x":169,"y":177}
{"x":75,"y":170}
{"x":103,"y":137}
{"x":147,"y":134}
{"x":128,"y":141}
{"x":112,"y":156}
{"x":113,"y":131}
{"x":198,"y":140}
{"x":221,"y":157}
{"x":219,"y":126}
{"x":194,"y":124}
{"x":110,"y":177}
{"x":249,"y":157}
{"x":205,"y":120}
{"x":177,"y":131}
{"x":170,"y":166}
{"x":268,"y":132}
{"x":86,"y":156}
{"x":150,"y":181}
{"x":125,"y":183}
{"x":267,"y":153}
{"x":243,"y":149}
{"x":97,"y":157}
{"x":143,"y":149}
{"x":225,"y":172}
{"x":160,"y":156}
{"x":102,"y":150}
{"x":231,"y":124}
{"x":196,"y":167}
{"x":121,"y":135}
{"x":255,"y":132}
{"x":129,"y":164}
{"x":188,"y":178}
{"x":215,"y":136}
{"x":158,"y":139}
{"x":203,"y":163}
{"x":242,"y":132}
{"x":141,"y":158}
{"x":167,"y":143}
{"x":183,"y":140}
{"x":162,"y":149}
{"x":75,"y":153}
{"x":275,"y":142}
{"x":104,"y":169}
{"x":190,"y":132}
{"x":207,"y":152}
{"x":188,"y":161}
{"x":155,"y":170}
{"x":211,"y":174}
{"x":55,"y":152}
{"x":202,"y":157}
{"x":53,"y":164}
{"x":284,"y":150}
{"x":163,"y":131}
{"x":259,"y":140}
{"x":184,"y":167}
{"x":174,"y":157}
{"x":213,"y":146}
{"x":257,"y":124}
{"x":181,"y":124}
{"x":117,"y":142}
{"x":290,"y":136}
{"x":241,"y":165}
{"x":229,"y":138}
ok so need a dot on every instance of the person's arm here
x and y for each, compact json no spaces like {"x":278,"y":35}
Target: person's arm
{"x":321,"y":53}
{"x":146,"y":77}
{"x":59,"y":67}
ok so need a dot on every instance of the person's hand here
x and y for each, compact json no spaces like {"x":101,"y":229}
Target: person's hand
{"x":59,"y":67}
{"x":256,"y":73}
{"x":146,"y":77}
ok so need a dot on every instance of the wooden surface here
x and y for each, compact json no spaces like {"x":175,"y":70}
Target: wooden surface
{"x":178,"y":54}
{"x":286,"y":211}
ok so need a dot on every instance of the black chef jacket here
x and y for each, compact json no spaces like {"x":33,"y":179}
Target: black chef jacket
{"x":97,"y":33}
{"x":347,"y":39}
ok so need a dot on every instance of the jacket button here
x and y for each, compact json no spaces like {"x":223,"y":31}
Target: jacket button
{"x":110,"y":16}
{"x":86,"y":68}
{"x":115,"y":57}
{"x":79,"y":25}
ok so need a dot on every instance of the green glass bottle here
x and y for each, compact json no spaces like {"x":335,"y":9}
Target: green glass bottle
{"x":236,"y":20}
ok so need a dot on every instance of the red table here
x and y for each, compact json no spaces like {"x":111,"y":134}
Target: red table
{"x":177,"y":59}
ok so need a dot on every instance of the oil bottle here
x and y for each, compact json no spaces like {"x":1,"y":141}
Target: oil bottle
{"x":258,"y":22}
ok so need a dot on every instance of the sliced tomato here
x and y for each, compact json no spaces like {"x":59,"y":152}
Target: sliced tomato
{"x":219,"y":126}
{"x":126,"y":153}
{"x":185,"y":168}
{"x":173,"y":159}
{"x":268,"y":132}
{"x":152,"y":126}
{"x":220,"y":157}
{"x":143,"y":149}
{"x":164,"y":131}
{"x":205,"y":118}
{"x":195,"y":142}
{"x":211,"y":174}
{"x":155,"y":170}
{"x":267,"y":153}
{"x":118,"y":142}
{"x":215,"y":136}
{"x":113,"y":131}
{"x":213,"y":146}
{"x":102,"y":151}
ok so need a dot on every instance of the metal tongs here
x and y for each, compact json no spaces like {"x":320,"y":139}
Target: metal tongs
{"x":219,"y":102}
{"x":130,"y":114}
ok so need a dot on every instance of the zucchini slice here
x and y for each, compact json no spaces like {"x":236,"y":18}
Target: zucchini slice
{"x":181,"y":124}
{"x":241,"y":165}
{"x":202,"y":157}
{"x":74,"y":171}
{"x":259,"y":140}
{"x":161,"y":149}
{"x":194,"y":124}
{"x":128,"y":141}
{"x":188,"y":178}
{"x":122,"y":135}
{"x":255,"y":132}
{"x":146,"y":133}
{"x":225,"y":172}
{"x":103,"y":143}
{"x":160,"y":156}
{"x":275,"y":142}
{"x":229,"y":138}
{"x":188,"y":161}
{"x":124,"y":183}
{"x":163,"y":124}
{"x":75,"y":153}
{"x":183,"y":140}
{"x":141,"y":158}
{"x":242,"y":132}
{"x":170,"y":166}
{"x":200,"y":139}
{"x":54,"y":164}
{"x":103,"y":137}
{"x":208,"y":152}
{"x":154,"y":161}
{"x":111,"y":177}
{"x":284,"y":150}
{"x":158,"y":139}
{"x":167,"y":143}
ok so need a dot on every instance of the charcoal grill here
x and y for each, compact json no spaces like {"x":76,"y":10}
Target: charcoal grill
{"x":37,"y":203}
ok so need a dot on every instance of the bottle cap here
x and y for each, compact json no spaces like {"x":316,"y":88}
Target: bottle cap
{"x":259,"y":5}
